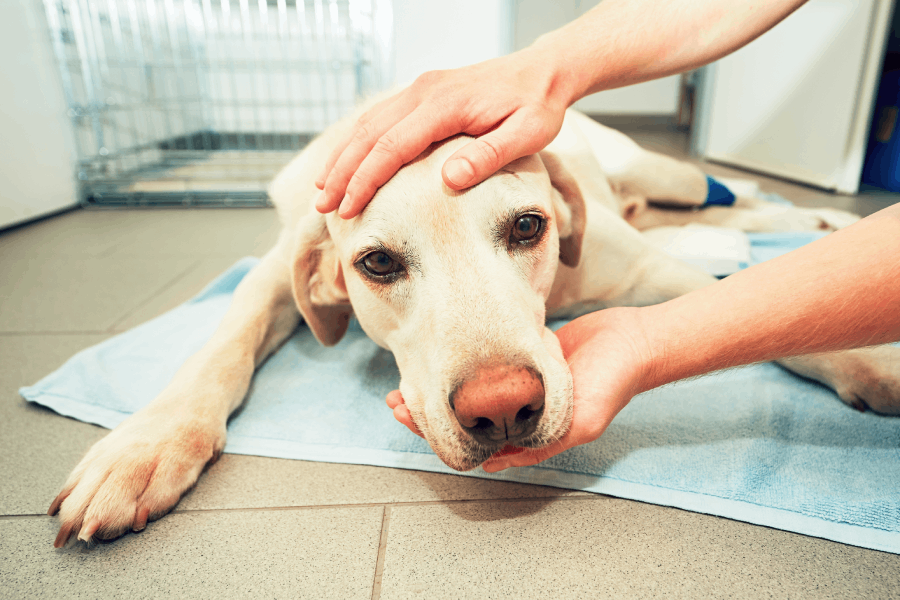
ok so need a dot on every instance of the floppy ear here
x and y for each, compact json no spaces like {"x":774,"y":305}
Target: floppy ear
{"x":568,"y":204}
{"x":317,"y":281}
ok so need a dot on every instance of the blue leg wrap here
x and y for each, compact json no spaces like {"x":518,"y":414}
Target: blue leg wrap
{"x":718,"y":194}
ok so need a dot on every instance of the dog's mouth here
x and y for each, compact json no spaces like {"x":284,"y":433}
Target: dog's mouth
{"x":507,"y":450}
{"x":476,"y":454}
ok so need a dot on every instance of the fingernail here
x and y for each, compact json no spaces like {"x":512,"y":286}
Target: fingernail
{"x":459,"y":172}
{"x":345,"y":206}
{"x":322,"y":202}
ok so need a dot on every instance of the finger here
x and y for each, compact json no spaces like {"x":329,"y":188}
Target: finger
{"x":521,"y":134}
{"x":521,"y":459}
{"x":402,"y":143}
{"x":402,"y":414}
{"x":364,"y":138}
{"x":394,"y":399}
{"x":348,"y":137}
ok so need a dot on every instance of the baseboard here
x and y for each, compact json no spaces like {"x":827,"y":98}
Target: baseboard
{"x":637,"y":121}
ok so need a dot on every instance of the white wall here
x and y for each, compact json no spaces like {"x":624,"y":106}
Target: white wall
{"x":536,"y":17}
{"x":37,"y":171}
{"x":430,"y":34}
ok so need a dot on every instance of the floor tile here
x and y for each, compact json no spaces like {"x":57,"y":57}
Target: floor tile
{"x":75,"y":233}
{"x":611,"y":548}
{"x":38,"y":448}
{"x":198,"y":232}
{"x":143,"y":232}
{"x":178,"y":291}
{"x":38,"y":294}
{"x":322,"y":553}
{"x":251,"y":481}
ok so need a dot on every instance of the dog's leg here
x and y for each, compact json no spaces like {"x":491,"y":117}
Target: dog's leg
{"x":656,"y":190}
{"x":862,"y":378}
{"x":141,"y":469}
{"x":747,"y":214}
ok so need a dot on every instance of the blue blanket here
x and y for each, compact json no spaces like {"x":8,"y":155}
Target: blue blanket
{"x":755,"y":444}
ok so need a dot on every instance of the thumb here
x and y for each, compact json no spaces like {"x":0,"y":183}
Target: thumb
{"x":481,"y":158}
{"x":522,"y":459}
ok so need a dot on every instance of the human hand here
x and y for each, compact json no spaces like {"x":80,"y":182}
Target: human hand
{"x":515,"y":103}
{"x":608,"y":355}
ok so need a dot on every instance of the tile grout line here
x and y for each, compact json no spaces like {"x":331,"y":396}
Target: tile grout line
{"x":382,"y":550}
{"x":399,"y":504}
{"x":366,"y":505}
{"x":169,"y":284}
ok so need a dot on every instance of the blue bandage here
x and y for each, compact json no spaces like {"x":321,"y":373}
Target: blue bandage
{"x":718,"y":194}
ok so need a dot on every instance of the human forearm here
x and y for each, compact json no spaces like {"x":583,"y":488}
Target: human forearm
{"x":622,"y":42}
{"x":514,"y":105}
{"x":840,"y":292}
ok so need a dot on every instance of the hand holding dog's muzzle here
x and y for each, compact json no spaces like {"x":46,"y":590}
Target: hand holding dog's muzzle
{"x":607,"y":364}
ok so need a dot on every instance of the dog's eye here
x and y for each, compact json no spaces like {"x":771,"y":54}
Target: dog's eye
{"x":526,"y":228}
{"x":380,"y":264}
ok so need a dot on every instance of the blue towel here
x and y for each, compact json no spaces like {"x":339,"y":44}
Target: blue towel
{"x":755,"y":444}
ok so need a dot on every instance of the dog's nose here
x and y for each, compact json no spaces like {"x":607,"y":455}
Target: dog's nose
{"x":500,"y":404}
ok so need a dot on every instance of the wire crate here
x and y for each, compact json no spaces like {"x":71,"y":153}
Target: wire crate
{"x":201,"y":102}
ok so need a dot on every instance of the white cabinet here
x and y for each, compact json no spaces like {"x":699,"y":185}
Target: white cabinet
{"x":796,"y":103}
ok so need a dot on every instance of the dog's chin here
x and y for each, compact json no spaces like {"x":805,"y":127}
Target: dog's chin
{"x":474,"y":454}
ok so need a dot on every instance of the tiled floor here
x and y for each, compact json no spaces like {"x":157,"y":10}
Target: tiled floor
{"x":259,"y":527}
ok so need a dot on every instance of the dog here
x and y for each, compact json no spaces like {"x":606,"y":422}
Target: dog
{"x":458,"y":285}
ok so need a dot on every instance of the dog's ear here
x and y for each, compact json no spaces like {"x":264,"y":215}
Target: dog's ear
{"x":317,"y":281}
{"x":568,"y":204}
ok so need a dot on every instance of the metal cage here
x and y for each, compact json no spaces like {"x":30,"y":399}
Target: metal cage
{"x":200,"y":102}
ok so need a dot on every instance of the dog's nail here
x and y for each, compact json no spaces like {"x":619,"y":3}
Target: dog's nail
{"x":459,"y":172}
{"x":65,"y":532}
{"x":140,"y":518}
{"x":54,"y":507}
{"x":88,"y":530}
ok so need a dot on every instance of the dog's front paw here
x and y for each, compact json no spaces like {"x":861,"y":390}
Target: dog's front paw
{"x":135,"y":474}
{"x":867,"y":378}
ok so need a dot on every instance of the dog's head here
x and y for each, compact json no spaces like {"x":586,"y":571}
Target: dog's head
{"x":455,"y":284}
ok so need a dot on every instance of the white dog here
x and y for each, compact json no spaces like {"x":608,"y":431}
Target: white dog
{"x":458,"y":286}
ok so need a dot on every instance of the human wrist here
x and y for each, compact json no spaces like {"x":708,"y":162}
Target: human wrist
{"x":651,"y":328}
{"x":560,"y":81}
